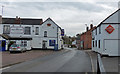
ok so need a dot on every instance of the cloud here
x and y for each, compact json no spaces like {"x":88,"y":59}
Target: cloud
{"x":69,"y":15}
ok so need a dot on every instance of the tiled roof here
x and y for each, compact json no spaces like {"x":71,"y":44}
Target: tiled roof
{"x":22,"y":21}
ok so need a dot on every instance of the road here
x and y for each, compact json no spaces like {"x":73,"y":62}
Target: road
{"x":69,"y":61}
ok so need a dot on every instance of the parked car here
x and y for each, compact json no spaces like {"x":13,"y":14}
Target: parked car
{"x":17,"y":48}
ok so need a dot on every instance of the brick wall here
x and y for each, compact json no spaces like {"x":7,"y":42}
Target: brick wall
{"x":86,"y":39}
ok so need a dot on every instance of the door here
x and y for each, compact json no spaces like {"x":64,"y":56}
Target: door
{"x":3,"y":45}
{"x":111,"y":47}
{"x":44,"y":44}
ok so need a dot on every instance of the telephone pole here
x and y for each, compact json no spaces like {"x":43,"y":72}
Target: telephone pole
{"x":2,"y":9}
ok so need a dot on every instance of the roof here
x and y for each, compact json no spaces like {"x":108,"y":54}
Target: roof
{"x":26,"y":21}
{"x":53,"y":22}
{"x":108,"y":17}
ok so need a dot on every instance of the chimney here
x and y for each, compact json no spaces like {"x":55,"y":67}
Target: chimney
{"x":91,"y":26}
{"x":87,"y":28}
{"x":17,"y":20}
{"x":16,"y":17}
{"x":0,"y":19}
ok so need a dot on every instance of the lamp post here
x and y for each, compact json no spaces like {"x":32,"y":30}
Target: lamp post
{"x":85,"y":42}
{"x":2,"y":9}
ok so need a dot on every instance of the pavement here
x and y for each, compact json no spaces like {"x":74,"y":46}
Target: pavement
{"x":9,"y":59}
{"x":93,"y":56}
{"x":70,"y":60}
{"x":110,"y":64}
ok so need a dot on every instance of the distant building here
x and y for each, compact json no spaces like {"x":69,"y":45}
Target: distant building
{"x":36,"y":33}
{"x":86,"y":38}
{"x":106,"y":37}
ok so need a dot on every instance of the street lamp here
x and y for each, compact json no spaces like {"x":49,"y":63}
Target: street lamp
{"x":85,"y":42}
{"x":2,"y":9}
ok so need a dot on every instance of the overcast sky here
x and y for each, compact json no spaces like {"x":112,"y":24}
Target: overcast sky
{"x":72,"y":15}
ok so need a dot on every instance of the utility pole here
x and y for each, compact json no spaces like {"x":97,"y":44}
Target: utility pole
{"x":2,"y":9}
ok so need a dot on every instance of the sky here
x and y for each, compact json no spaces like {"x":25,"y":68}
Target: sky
{"x":71,"y":15}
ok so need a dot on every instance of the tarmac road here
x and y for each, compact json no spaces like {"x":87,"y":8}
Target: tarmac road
{"x":69,"y":61}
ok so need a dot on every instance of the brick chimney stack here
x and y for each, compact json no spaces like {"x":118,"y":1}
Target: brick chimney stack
{"x":0,"y":19}
{"x":17,"y":20}
{"x":91,"y":26}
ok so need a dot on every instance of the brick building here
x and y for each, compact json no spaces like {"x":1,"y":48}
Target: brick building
{"x":86,"y":38}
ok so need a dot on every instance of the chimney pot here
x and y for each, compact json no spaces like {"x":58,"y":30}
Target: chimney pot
{"x":16,"y":17}
{"x":91,"y":26}
{"x":87,"y":28}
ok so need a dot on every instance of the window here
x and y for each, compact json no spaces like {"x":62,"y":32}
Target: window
{"x":6,"y":29}
{"x":96,"y":43}
{"x":45,"y":33}
{"x":99,"y":29}
{"x":37,"y":31}
{"x":93,"y":43}
{"x":99,"y":43}
{"x":96,"y":31}
{"x":25,"y":43}
{"x":27,"y":30}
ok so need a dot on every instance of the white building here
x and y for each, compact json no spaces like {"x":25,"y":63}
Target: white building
{"x":36,"y":33}
{"x":106,"y":37}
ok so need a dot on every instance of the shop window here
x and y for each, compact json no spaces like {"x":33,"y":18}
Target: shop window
{"x":51,"y":42}
{"x":37,"y":31}
{"x":25,"y":43}
{"x":27,"y":30}
{"x":45,"y":33}
{"x":6,"y":29}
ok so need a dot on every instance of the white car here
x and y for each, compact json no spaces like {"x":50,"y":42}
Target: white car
{"x":17,"y":48}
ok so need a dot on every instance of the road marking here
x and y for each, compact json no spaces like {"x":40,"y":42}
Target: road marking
{"x":91,"y":62}
{"x":4,"y":68}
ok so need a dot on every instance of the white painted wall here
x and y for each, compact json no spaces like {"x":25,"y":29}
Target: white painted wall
{"x":106,"y":36}
{"x":109,"y":42}
{"x":1,"y":28}
{"x":37,"y":40}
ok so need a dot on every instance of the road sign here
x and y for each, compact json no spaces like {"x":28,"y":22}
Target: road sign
{"x":62,"y":32}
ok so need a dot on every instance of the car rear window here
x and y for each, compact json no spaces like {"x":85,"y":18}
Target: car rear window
{"x":14,"y":45}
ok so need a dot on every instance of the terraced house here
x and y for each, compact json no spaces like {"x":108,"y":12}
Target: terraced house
{"x":33,"y":33}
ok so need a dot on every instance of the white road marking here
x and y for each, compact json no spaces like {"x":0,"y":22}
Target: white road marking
{"x":4,"y":68}
{"x":92,"y":63}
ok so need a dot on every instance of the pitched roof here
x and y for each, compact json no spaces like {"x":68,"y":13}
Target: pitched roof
{"x":108,"y":17}
{"x":53,"y":22}
{"x":26,"y":21}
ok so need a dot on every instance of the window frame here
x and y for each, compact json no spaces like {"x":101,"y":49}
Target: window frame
{"x":36,"y":30}
{"x":99,"y":43}
{"x":28,"y":31}
{"x":93,"y":43}
{"x":99,"y":29}
{"x":96,"y":31}
{"x":5,"y":30}
{"x":96,"y":43}
{"x":45,"y":33}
